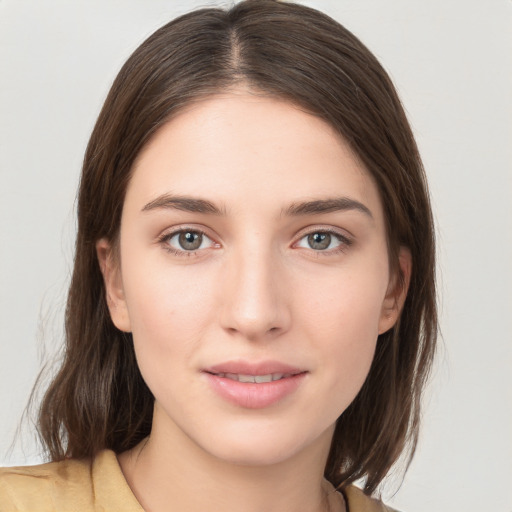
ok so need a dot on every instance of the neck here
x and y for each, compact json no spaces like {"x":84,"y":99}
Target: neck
{"x":170,"y":472}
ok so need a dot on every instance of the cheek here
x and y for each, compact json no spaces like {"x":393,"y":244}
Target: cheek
{"x":347,"y":301}
{"x":342,"y":317}
{"x":169,"y":310}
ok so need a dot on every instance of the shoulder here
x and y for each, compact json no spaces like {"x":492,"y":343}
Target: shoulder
{"x":358,"y":501}
{"x":45,"y":486}
{"x":51,"y":486}
{"x":79,"y":485}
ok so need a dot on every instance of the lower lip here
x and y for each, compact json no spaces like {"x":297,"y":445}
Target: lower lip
{"x":254,"y":396}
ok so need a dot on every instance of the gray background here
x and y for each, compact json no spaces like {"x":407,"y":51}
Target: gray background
{"x":451,"y":61}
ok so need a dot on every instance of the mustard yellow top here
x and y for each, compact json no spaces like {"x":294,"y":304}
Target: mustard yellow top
{"x":98,"y":486}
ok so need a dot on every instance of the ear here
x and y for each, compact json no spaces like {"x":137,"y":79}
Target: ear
{"x":396,"y":292}
{"x":111,"y":270}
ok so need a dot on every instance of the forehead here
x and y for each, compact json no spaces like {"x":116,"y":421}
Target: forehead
{"x":246,"y":149}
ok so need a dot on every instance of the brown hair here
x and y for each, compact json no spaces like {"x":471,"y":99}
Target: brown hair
{"x":98,"y":399}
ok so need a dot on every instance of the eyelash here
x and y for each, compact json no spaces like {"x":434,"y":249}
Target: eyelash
{"x":166,"y":237}
{"x":345,"y":242}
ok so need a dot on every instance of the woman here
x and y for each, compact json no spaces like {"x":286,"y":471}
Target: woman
{"x":252,"y":309}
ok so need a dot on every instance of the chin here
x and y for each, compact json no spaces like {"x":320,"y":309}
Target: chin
{"x":260,"y":446}
{"x":254,"y":453}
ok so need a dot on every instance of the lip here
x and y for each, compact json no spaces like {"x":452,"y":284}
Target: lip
{"x":248,"y":368}
{"x":251,"y":395}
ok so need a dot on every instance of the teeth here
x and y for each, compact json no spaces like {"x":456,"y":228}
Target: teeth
{"x":246,"y":378}
{"x":263,"y":378}
{"x":254,"y":378}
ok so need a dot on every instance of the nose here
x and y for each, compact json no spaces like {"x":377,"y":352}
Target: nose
{"x":255,"y":296}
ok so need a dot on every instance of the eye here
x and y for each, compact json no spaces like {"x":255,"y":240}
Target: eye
{"x":187,"y":240}
{"x":324,"y":241}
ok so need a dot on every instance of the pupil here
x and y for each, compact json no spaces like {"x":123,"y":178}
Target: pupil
{"x":190,"y":240}
{"x":319,"y":241}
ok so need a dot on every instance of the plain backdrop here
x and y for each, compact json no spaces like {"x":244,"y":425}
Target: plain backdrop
{"x":451,"y":62}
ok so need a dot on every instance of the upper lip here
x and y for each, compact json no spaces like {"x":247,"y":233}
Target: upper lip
{"x":241,"y":367}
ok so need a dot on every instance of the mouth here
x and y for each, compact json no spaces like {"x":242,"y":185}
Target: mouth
{"x":254,"y":386}
{"x":257,"y":379}
{"x":254,"y":372}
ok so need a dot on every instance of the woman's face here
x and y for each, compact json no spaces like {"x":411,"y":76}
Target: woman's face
{"x":254,"y":277}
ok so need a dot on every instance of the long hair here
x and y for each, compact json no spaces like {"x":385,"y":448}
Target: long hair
{"x":98,"y":399}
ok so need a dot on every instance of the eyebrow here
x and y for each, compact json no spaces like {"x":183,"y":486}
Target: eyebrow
{"x":184,"y":203}
{"x":315,"y":207}
{"x":320,"y":206}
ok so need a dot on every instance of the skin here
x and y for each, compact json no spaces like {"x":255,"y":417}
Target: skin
{"x":254,"y":290}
